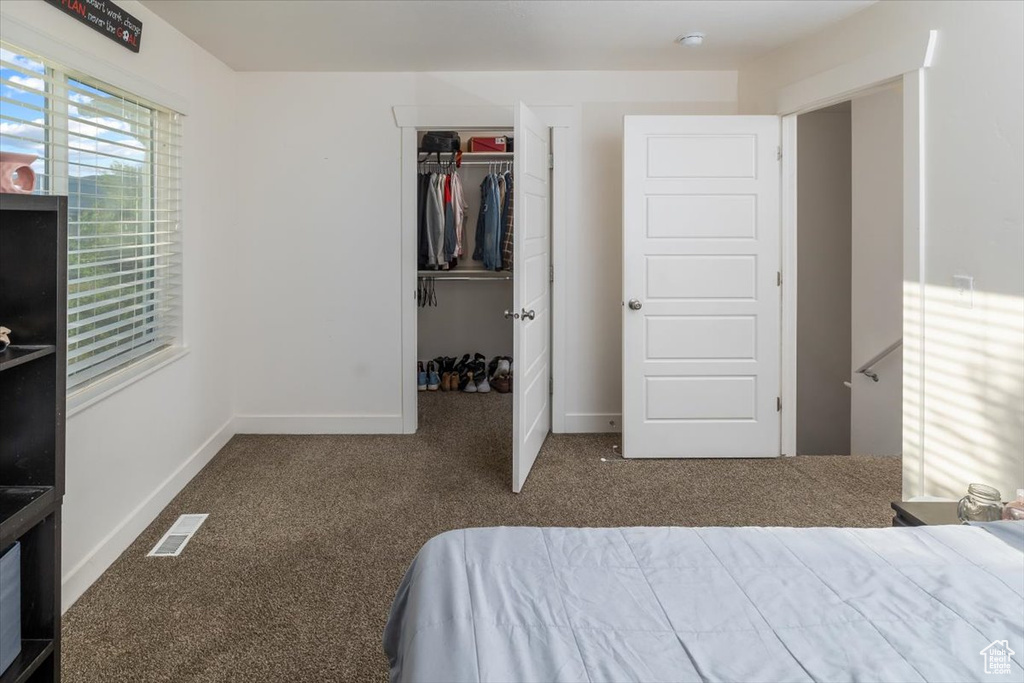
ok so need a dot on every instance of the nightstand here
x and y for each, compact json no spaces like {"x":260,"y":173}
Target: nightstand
{"x":923,"y":513}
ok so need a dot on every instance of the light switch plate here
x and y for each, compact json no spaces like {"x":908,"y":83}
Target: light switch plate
{"x":964,"y":286}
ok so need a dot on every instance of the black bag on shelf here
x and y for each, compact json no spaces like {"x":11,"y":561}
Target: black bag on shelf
{"x":441,"y":141}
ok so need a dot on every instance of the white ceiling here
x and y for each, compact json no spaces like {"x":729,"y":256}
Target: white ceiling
{"x":496,"y":35}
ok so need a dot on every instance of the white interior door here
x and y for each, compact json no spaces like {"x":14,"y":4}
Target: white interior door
{"x":531,"y":399}
{"x":701,"y":314}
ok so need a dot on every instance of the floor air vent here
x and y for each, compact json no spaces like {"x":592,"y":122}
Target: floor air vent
{"x":178,"y":536}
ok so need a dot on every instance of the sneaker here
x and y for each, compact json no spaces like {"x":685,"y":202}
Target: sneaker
{"x":453,"y":375}
{"x":421,"y":377}
{"x":502,"y":367}
{"x":470,"y":387}
{"x":433,"y":381}
{"x":482,"y":386}
{"x":458,"y":382}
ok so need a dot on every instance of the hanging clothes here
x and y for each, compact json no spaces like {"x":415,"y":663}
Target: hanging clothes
{"x":492,"y":221}
{"x":434,"y":221}
{"x":441,"y":216}
{"x":423,"y":243}
{"x":507,"y":223}
{"x":459,"y":202}
{"x":449,"y":222}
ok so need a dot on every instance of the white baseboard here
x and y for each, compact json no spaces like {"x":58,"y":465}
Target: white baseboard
{"x":589,"y":423}
{"x":318,"y":424}
{"x":84,"y":574}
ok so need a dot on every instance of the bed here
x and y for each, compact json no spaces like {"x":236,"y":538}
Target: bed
{"x":710,"y":604}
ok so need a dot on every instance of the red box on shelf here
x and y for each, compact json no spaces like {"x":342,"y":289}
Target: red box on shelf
{"x":488,"y":144}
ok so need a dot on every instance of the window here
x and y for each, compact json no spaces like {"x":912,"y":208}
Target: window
{"x":117,"y":158}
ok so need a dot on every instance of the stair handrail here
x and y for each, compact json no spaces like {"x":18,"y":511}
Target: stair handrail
{"x":868,"y":368}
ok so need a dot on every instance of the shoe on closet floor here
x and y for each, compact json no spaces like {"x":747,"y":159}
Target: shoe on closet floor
{"x":433,"y":381}
{"x":499,"y":366}
{"x":453,"y":374}
{"x":470,"y":387}
{"x":421,"y":377}
{"x":459,"y":377}
{"x":442,"y":368}
{"x":479,"y":369}
{"x":500,"y":369}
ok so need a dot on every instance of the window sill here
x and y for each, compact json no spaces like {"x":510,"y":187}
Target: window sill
{"x":80,"y":399}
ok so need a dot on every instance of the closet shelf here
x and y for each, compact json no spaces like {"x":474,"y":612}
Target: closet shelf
{"x":488,"y":155}
{"x":465,"y":274}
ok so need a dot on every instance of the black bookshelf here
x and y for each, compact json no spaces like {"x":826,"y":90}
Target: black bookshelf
{"x":33,"y":304}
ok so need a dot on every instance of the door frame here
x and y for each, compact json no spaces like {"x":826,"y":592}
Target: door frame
{"x":906,"y":63}
{"x":564,"y":122}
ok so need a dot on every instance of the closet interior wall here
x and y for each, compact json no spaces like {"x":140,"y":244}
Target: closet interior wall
{"x":469,"y":315}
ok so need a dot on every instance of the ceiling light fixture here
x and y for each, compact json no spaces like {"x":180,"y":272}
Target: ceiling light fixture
{"x":691,"y":39}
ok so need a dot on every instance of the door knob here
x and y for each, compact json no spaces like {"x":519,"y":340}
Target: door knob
{"x":635,"y":305}
{"x":528,"y":315}
{"x":510,"y":314}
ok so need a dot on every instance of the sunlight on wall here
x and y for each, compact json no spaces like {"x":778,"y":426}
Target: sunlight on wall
{"x":972,"y":403}
{"x":912,"y":349}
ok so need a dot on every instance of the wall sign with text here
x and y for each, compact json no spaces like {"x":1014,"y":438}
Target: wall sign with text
{"x":107,"y":18}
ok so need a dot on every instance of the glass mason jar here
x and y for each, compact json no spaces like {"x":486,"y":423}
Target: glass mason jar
{"x":981,"y":504}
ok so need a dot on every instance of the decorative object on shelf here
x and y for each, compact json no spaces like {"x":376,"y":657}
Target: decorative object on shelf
{"x":1014,"y":510}
{"x":5,"y":341}
{"x":16,"y":174}
{"x":441,"y":141}
{"x":498,"y":144}
{"x":981,"y":504}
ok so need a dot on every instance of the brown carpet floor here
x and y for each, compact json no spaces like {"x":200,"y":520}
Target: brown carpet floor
{"x":291,"y":577}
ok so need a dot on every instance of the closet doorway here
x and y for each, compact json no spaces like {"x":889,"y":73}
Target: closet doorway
{"x":481,"y":318}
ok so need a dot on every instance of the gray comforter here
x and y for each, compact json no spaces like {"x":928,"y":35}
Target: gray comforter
{"x":708,"y":604}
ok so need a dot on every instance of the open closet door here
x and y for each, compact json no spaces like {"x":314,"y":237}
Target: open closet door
{"x":531,"y":398}
{"x":701,"y":329}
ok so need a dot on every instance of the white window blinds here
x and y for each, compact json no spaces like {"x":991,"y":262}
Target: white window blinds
{"x":117,"y":158}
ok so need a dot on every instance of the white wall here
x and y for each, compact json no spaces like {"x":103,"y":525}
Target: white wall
{"x":320,"y":261}
{"x":130,"y":453}
{"x":876,"y":408}
{"x":973,"y":381}
{"x":823,"y":287}
{"x":469,"y":318}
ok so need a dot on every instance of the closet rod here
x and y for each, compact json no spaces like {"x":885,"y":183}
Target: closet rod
{"x":464,"y":278}
{"x":472,"y":163}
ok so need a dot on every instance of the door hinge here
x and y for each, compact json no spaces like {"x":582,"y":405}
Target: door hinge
{"x":778,"y":278}
{"x":551,"y":273}
{"x":551,"y":161}
{"x":778,"y":404}
{"x":778,"y":153}
{"x":551,"y":386}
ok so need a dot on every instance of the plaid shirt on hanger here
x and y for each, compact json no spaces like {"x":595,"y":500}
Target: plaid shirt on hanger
{"x":507,"y":251}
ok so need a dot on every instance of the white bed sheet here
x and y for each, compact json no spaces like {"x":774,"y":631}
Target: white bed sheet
{"x":707,"y":604}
